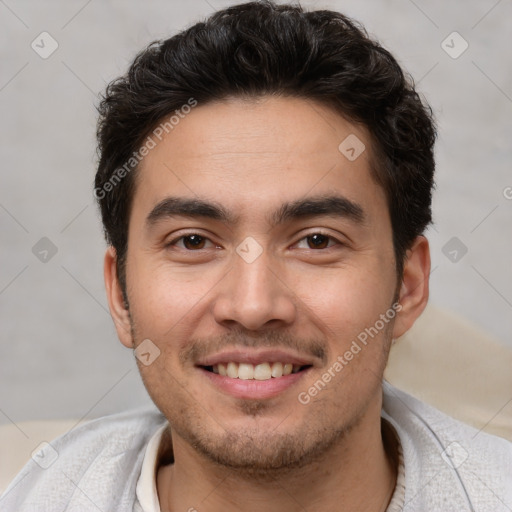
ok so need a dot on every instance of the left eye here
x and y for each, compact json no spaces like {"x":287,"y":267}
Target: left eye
{"x":318,"y":241}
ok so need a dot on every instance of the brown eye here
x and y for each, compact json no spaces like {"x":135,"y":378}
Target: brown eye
{"x":193,"y":242}
{"x":318,"y":241}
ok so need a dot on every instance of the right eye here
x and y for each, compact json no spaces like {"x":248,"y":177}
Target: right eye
{"x":191,"y":242}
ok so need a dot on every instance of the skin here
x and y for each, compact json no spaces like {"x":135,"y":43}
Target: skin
{"x":273,"y":454}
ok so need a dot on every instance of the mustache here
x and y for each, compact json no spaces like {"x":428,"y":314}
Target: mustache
{"x":200,"y":348}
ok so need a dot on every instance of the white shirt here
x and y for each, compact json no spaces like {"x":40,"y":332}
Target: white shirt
{"x":108,"y":464}
{"x":146,"y":486}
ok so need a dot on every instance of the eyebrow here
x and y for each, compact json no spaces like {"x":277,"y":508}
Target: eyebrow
{"x":328,"y":205}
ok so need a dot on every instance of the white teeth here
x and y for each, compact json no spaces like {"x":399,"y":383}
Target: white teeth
{"x":277,"y":370}
{"x":245,"y":371}
{"x":232,"y":370}
{"x":262,"y":371}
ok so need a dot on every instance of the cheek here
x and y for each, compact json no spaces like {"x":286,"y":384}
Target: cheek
{"x":164,"y":299}
{"x":346,"y":300}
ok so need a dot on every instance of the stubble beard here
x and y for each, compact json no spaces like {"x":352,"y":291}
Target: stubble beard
{"x":253,"y":454}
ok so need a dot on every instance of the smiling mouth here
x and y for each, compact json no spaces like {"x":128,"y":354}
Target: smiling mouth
{"x":262,"y":371}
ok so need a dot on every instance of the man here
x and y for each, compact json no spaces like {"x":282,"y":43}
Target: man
{"x":264,"y":181}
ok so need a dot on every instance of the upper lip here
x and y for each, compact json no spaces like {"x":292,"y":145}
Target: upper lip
{"x":256,"y":357}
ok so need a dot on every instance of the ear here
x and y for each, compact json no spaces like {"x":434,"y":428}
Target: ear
{"x":414,"y":289}
{"x":118,"y":311}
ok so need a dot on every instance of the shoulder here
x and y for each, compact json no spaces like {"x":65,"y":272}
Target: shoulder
{"x":448,"y":463}
{"x":98,"y":461}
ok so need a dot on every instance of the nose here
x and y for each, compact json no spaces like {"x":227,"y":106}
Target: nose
{"x":254,"y":295}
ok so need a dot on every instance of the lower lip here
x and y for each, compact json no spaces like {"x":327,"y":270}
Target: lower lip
{"x":253,"y":389}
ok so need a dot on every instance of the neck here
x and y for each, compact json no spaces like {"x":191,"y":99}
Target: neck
{"x":358,"y":474}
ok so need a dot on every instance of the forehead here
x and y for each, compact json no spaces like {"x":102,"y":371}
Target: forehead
{"x":250,"y":154}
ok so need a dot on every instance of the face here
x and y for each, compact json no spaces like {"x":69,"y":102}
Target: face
{"x":257,"y":247}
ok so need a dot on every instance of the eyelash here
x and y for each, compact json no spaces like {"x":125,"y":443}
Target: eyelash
{"x":330,"y":237}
